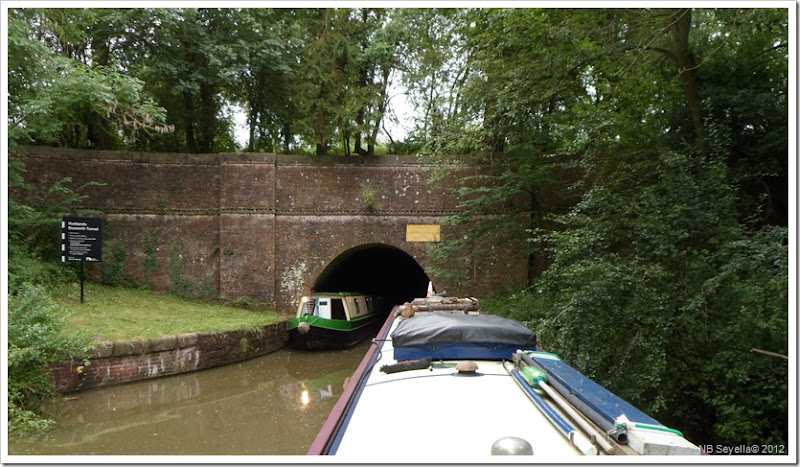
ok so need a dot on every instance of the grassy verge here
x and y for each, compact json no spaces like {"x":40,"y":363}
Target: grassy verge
{"x":115,"y":313}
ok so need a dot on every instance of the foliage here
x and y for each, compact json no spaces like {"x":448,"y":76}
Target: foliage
{"x":56,"y":98}
{"x":150,"y":260}
{"x":344,"y":73}
{"x":368,"y":197}
{"x":665,"y":256}
{"x":34,"y":341}
{"x":264,"y":83}
{"x":657,"y":279}
{"x":178,"y":285}
{"x":188,"y":57}
{"x":34,"y":322}
{"x":521,"y":305}
{"x":112,"y":269}
{"x":33,"y":228}
{"x":746,"y":92}
{"x":170,"y":79}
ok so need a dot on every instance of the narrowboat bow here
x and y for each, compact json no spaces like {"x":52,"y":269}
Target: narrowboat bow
{"x":450,"y":383}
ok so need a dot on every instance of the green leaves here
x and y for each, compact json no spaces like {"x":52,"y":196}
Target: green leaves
{"x":661,"y":275}
{"x":34,"y":342}
{"x":651,"y":275}
{"x":62,"y":99}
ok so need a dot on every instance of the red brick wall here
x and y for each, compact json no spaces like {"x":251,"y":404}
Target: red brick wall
{"x":262,"y":226}
{"x":125,"y":361}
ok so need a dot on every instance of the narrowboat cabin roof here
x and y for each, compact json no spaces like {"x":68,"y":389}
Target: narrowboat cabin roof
{"x":334,"y":294}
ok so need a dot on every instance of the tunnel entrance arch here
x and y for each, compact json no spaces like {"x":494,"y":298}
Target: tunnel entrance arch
{"x":375,"y":269}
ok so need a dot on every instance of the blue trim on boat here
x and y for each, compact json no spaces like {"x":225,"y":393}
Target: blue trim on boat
{"x":456,"y":351}
{"x":570,"y":383}
{"x":563,"y":426}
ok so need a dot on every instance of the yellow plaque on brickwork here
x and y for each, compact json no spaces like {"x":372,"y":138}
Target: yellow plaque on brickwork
{"x":423,"y":232}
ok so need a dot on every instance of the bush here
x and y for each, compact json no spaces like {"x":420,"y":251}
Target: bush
{"x":34,"y":342}
{"x":112,"y":269}
{"x":659,"y":293}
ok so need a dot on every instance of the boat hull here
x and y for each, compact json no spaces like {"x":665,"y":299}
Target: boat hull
{"x":331,"y":334}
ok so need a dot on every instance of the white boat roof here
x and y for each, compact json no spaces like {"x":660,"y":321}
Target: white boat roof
{"x":435,"y":415}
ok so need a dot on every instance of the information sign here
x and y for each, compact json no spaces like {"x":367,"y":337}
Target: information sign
{"x":81,"y":239}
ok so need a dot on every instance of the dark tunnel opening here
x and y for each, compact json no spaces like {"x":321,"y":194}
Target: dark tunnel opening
{"x":375,"y":269}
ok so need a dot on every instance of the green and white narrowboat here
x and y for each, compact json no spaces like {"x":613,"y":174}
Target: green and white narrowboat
{"x":334,"y":320}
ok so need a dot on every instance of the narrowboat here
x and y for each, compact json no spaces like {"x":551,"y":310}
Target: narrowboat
{"x":443,"y":382}
{"x":336,"y":320}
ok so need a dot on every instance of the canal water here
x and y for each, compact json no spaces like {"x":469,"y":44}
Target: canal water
{"x":270,"y":405}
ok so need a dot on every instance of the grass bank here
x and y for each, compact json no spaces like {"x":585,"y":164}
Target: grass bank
{"x":116,"y":313}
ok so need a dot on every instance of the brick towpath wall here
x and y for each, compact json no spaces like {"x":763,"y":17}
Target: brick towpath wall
{"x":125,"y":361}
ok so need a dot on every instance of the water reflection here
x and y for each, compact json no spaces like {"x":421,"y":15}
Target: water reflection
{"x":269,"y":405}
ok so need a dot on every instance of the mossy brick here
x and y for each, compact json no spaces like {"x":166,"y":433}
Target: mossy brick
{"x":126,"y":348}
{"x":103,"y":349}
{"x":187,"y":340}
{"x":162,"y":344}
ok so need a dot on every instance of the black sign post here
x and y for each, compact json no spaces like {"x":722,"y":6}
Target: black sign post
{"x":82,"y":240}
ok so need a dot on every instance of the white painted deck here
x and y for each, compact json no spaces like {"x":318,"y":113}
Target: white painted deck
{"x":436,"y":416}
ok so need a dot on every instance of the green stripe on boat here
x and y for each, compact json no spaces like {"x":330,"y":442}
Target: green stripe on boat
{"x":335,"y":324}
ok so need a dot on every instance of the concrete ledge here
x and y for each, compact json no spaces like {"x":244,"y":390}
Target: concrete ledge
{"x":125,"y":361}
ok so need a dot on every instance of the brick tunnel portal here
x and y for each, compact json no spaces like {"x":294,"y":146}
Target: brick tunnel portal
{"x":375,"y":269}
{"x":272,"y":226}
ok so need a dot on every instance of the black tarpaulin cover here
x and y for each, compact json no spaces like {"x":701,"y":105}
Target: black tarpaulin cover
{"x":445,"y":328}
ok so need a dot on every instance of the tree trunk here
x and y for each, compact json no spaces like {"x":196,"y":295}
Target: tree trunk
{"x":208,"y":118}
{"x":679,"y":27}
{"x":357,"y":137}
{"x":251,"y":122}
{"x":363,"y":85}
{"x":288,"y":136}
{"x":188,"y":123}
{"x":381,"y":110}
{"x":99,"y":129}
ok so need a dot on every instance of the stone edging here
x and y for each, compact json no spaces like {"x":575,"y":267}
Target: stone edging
{"x":117,"y":362}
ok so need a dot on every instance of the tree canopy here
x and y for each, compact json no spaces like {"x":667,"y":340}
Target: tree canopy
{"x":306,"y":80}
{"x":642,"y":154}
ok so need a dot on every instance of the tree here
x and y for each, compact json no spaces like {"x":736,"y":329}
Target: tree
{"x":188,"y":60}
{"x":56,"y":97}
{"x":434,"y":64}
{"x":658,"y":292}
{"x":679,"y":27}
{"x":344,"y":73}
{"x":378,"y":39}
{"x":521,"y":104}
{"x":745,"y":80}
{"x":302,"y":76}
{"x":658,"y":278}
{"x":274,"y":39}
